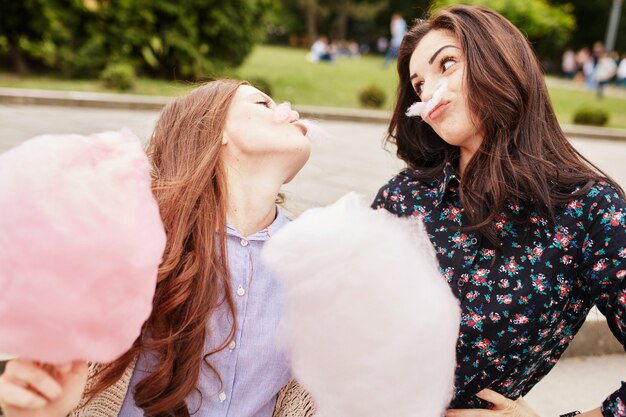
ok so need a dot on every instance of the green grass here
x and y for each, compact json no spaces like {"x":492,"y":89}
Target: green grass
{"x":566,"y":101}
{"x":337,"y":84}
{"x":299,"y":81}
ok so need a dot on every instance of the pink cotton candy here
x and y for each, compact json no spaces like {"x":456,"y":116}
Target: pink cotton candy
{"x":80,"y":243}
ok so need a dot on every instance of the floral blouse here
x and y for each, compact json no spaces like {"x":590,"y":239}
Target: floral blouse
{"x":521,"y":306}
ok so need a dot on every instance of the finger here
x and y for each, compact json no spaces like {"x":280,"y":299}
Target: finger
{"x":79,"y":371}
{"x":493,"y":397}
{"x":26,"y":373}
{"x":16,"y":396}
{"x":65,"y":368}
{"x":471,"y":412}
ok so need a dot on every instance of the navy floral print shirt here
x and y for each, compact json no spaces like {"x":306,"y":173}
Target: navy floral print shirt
{"x":522,"y":305}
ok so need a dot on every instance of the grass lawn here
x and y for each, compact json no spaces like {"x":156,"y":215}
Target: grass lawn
{"x":295,"y":79}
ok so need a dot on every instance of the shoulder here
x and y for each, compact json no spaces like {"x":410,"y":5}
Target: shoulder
{"x":602,"y":206}
{"x":401,"y":189}
{"x":603,"y":195}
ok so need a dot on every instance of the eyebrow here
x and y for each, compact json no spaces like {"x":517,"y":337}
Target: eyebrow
{"x":432,"y":58}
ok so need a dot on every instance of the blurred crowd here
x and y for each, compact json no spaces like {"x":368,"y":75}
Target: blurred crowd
{"x":595,"y":67}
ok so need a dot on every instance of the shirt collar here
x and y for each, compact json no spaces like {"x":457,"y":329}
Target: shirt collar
{"x":264,"y":234}
{"x":448,"y":176}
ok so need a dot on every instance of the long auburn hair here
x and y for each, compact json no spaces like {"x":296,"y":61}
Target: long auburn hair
{"x":189,"y":184}
{"x":525,"y":156}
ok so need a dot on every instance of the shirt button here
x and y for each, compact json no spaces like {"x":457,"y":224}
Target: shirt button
{"x":244,"y":242}
{"x":222,"y":397}
{"x":232,"y":345}
{"x":474,"y":241}
{"x":241,"y":291}
{"x":461,"y":282}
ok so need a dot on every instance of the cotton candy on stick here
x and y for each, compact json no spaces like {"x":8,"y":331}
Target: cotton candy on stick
{"x":422,"y":108}
{"x":80,"y":242}
{"x":369,"y":323}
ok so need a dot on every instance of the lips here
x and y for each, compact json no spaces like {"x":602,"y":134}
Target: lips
{"x":302,"y":127}
{"x":439,"y":108}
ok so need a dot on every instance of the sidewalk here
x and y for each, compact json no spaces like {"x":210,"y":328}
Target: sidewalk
{"x":138,"y":102}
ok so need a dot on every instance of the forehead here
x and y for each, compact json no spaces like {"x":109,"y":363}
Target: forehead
{"x":431,"y":43}
{"x":246,"y":91}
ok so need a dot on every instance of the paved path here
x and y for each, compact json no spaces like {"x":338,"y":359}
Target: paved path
{"x":354,"y":160}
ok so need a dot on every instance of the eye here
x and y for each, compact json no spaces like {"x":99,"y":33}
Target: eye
{"x":418,"y":87}
{"x":447,"y":63}
{"x":265,"y":103}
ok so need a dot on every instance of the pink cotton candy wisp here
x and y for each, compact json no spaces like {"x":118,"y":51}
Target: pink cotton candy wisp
{"x":80,"y":243}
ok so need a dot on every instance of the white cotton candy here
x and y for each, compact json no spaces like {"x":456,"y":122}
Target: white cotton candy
{"x":369,"y":323}
{"x":422,"y":108}
{"x":315,"y":133}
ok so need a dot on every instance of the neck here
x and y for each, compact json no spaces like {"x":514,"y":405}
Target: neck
{"x":251,"y":201}
{"x":467,"y":152}
{"x":464,"y":159}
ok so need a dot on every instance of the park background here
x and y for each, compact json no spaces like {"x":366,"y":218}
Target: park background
{"x":162,"y":47}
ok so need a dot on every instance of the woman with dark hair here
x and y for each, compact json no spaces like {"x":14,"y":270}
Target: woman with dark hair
{"x":529,"y":234}
{"x":219,"y":156}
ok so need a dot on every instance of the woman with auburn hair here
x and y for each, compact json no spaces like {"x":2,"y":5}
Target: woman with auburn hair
{"x":528,"y":233}
{"x":219,"y":155}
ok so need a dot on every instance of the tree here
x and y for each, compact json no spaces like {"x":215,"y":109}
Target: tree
{"x":358,"y":10}
{"x":20,"y":22}
{"x":592,"y":18}
{"x":549,"y":27}
{"x":188,"y":39}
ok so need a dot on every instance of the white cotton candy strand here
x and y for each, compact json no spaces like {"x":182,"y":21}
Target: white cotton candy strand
{"x":422,"y":108}
{"x":369,"y":323}
{"x":316,"y":133}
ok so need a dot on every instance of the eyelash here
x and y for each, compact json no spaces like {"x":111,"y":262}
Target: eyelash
{"x":443,"y":61}
{"x":266,"y":103}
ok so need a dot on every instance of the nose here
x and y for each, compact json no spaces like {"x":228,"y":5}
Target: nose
{"x":434,"y":89}
{"x":285,"y":113}
{"x":428,"y":90}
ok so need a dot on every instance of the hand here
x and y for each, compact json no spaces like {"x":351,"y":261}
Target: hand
{"x":502,"y":407}
{"x":32,"y":389}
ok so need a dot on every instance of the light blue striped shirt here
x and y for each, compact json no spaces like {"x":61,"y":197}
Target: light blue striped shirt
{"x":252,"y":369}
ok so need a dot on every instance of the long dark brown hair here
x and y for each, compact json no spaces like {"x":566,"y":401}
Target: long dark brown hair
{"x":524,"y":157}
{"x":189,"y":184}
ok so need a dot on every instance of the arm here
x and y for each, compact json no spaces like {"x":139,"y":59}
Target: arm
{"x":603,"y":267}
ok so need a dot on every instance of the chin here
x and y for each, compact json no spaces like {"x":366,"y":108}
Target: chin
{"x":296,"y":168}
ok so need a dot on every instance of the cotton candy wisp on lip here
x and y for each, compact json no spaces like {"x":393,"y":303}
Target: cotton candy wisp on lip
{"x":422,"y":108}
{"x":369,"y":323}
{"x":80,"y":246}
{"x":315,"y":133}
